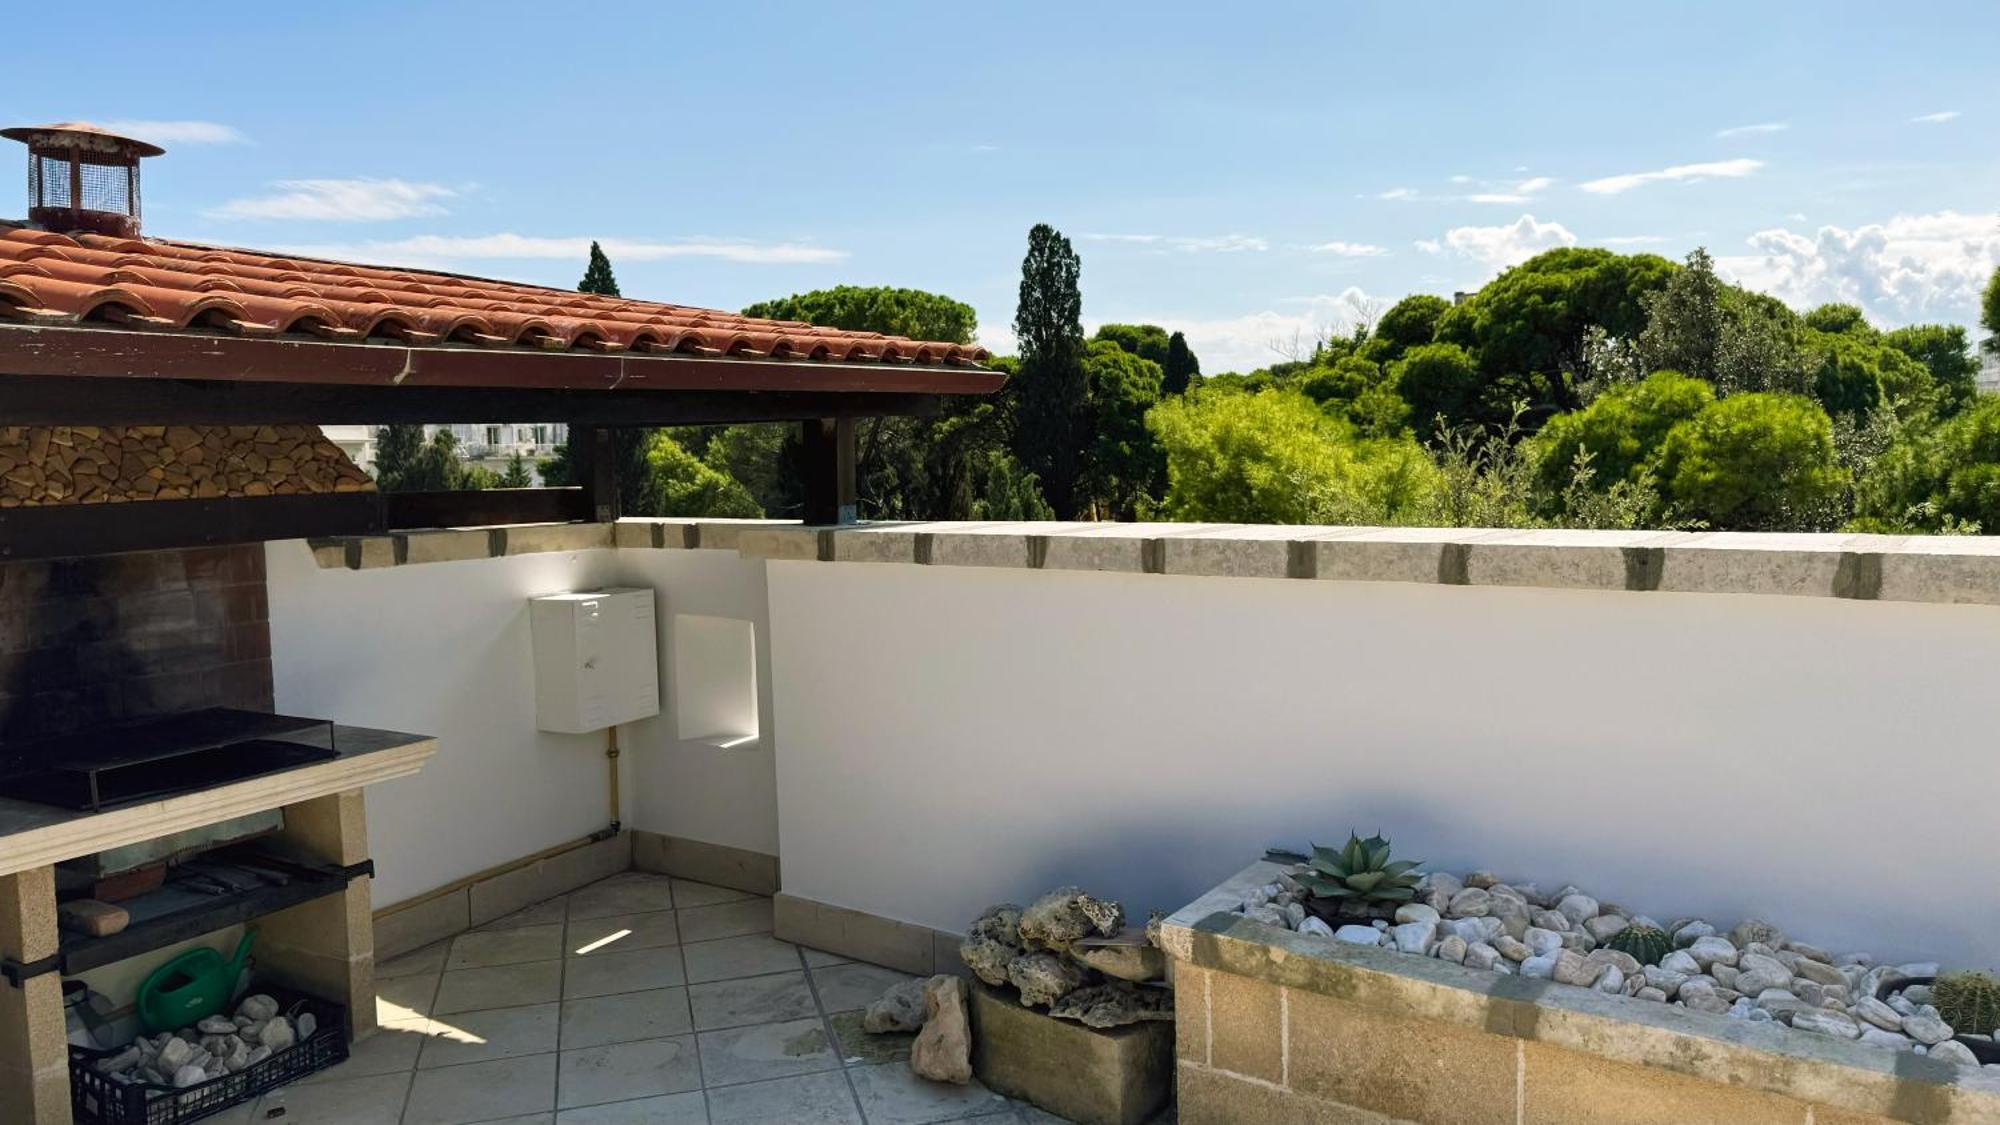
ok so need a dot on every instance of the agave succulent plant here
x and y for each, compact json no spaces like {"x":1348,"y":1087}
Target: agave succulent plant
{"x":1358,"y":880}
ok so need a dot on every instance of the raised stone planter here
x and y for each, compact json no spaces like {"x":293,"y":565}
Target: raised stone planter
{"x":1275,"y":1025}
{"x":1114,"y":1076}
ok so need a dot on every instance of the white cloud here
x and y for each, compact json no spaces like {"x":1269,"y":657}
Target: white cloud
{"x":1497,"y":197}
{"x":1401,"y":192}
{"x":1350,"y":249}
{"x":1218,"y":244}
{"x":1499,"y":247}
{"x":1935,"y":118}
{"x":1910,"y":268}
{"x":438,"y":249}
{"x":1756,"y":130}
{"x":1531,"y":186}
{"x":1267,"y":336}
{"x":177,"y":132}
{"x":1679,"y":173}
{"x":351,"y":201}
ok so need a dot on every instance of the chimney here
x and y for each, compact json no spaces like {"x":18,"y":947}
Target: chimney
{"x":82,"y":178}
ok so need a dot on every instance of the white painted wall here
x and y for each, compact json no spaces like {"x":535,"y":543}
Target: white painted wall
{"x":444,"y":649}
{"x":953,"y":737}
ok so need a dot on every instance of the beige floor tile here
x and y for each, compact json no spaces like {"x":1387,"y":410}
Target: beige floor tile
{"x":399,"y":999}
{"x":497,"y":1033}
{"x":392,"y":1049}
{"x":688,"y":893}
{"x":619,"y":932}
{"x":622,"y":1071}
{"x":857,"y":1047}
{"x":892,"y":1095}
{"x":631,"y":893}
{"x":747,"y":956}
{"x":625,"y":1017}
{"x":703,"y":923}
{"x":500,"y":986}
{"x":690,"y":1108}
{"x":485,"y":1091}
{"x":843,"y":988}
{"x":820,"y":958}
{"x":813,"y":1099}
{"x":768,"y":1050}
{"x":734,"y":1003}
{"x":483,"y":948}
{"x":602,"y":974}
{"x":429,"y":959}
{"x":355,"y":1101}
{"x":546,"y":911}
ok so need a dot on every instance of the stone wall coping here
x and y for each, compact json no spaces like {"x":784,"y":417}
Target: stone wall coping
{"x":1915,"y":568}
{"x":1207,"y":934}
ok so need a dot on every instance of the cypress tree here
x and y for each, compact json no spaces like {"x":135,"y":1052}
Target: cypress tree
{"x":1050,"y":391}
{"x":597,"y":276}
{"x":628,"y":444}
{"x":396,"y":450}
{"x":1181,"y":368}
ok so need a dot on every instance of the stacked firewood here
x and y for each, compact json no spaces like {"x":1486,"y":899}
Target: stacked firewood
{"x":42,"y":465}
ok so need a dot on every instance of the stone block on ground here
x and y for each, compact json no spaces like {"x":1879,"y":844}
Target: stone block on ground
{"x":1118,"y":1076}
{"x":943,"y":1050}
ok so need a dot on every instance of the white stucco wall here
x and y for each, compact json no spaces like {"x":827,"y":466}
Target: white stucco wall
{"x":444,"y":649}
{"x":956,"y":736}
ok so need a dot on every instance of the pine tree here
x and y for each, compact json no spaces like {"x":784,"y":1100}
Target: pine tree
{"x":517,"y":474}
{"x":1050,"y":391}
{"x":396,"y":450}
{"x":597,"y":276}
{"x":1181,"y":368}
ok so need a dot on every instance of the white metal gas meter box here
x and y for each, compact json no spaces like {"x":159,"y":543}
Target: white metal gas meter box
{"x":597,"y":659}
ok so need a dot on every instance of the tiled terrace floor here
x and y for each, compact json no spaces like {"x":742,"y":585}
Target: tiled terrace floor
{"x":639,"y":999}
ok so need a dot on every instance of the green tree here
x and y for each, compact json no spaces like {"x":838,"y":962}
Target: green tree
{"x":1182,"y":369}
{"x":517,"y":474}
{"x":1125,"y":468}
{"x":1439,"y":381}
{"x":1359,"y":391}
{"x":1946,"y":478}
{"x":1618,"y":435}
{"x":1853,"y":374}
{"x":396,"y":448}
{"x":1050,"y":394}
{"x":433,"y":466}
{"x":597,"y":276}
{"x":1147,"y":341}
{"x":881,"y":308}
{"x":1753,"y":462}
{"x":1275,"y":457}
{"x":1841,"y":320}
{"x":1731,"y":338}
{"x":1947,"y":354}
{"x":1989,"y":313}
{"x":1411,"y":323}
{"x":677,"y":483}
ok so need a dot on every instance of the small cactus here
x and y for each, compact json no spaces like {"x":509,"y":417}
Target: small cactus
{"x":1645,"y":944}
{"x":1969,"y":1002}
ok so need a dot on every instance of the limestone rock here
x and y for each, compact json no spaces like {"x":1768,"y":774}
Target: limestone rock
{"x":1413,"y":937}
{"x":1701,"y":995}
{"x":1316,"y":926}
{"x":1516,"y":951}
{"x":1756,"y":982}
{"x":1605,"y":925}
{"x":1952,"y":1051}
{"x":1752,"y":930}
{"x":1436,"y":889}
{"x":1826,"y":1023}
{"x":258,"y":1007}
{"x":1625,"y":963}
{"x":1358,"y":935}
{"x":1057,"y":919}
{"x":1666,"y":980}
{"x":189,"y":1075}
{"x":1540,"y":941}
{"x":1780,"y":1002}
{"x":1043,"y":978}
{"x":1481,"y":880}
{"x":1416,"y":912}
{"x":1578,"y":908}
{"x":1571,"y":968}
{"x":1267,"y":914}
{"x":1878,"y":1013}
{"x":1452,"y":949}
{"x":943,"y":1049}
{"x":901,"y":1008}
{"x":1479,"y":955}
{"x":1542,"y":967}
{"x":216,"y":1025}
{"x":1876,"y":1037}
{"x":277,"y":1035}
{"x":1128,"y":955}
{"x":1651,"y":993}
{"x":1115,"y":1005}
{"x":1926,"y":1028}
{"x":176,"y":1054}
{"x":992,"y":943}
{"x":1550,"y":920}
{"x":1472,"y":902}
{"x":1713,"y":951}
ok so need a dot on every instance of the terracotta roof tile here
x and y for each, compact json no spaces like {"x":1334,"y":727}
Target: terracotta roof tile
{"x":176,"y":286}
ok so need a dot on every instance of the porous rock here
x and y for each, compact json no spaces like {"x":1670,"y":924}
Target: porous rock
{"x":1057,"y":919}
{"x":942,"y":1051}
{"x":992,"y":942}
{"x":1115,"y":1004}
{"x":900,"y":1008}
{"x":1043,"y":978}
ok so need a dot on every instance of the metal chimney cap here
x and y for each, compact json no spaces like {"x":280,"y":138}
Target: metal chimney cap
{"x":79,"y":134}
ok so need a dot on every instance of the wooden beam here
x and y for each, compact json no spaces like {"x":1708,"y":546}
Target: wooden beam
{"x":68,"y":530}
{"x":484,"y":507}
{"x":41,"y":400}
{"x":116,"y":353}
{"x":827,"y":466}
{"x":599,"y":473}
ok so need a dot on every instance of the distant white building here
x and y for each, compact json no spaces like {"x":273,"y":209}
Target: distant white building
{"x":1989,"y":367}
{"x":490,"y":445}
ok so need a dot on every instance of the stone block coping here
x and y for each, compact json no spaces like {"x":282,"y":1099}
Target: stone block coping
{"x":1916,"y":568}
{"x":1769,"y":1057}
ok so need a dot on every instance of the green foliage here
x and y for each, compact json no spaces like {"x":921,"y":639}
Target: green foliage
{"x":1147,"y":341}
{"x":1733,"y":339}
{"x":1358,"y":391}
{"x":1946,"y":353}
{"x":396,"y":450}
{"x":429,"y":466}
{"x":1841,"y":320}
{"x":1439,"y":381}
{"x":1853,"y":374}
{"x":1618,"y":432}
{"x":1181,"y":368}
{"x":517,"y":474}
{"x":677,"y":483}
{"x":1753,"y":462}
{"x":1002,"y":490}
{"x":1969,"y":1002}
{"x":890,"y":311}
{"x":597,"y":276}
{"x":1939,"y":478}
{"x":1359,"y":880}
{"x":1274,"y":457}
{"x":1124,"y":465}
{"x":1989,"y":312}
{"x":1644,"y":944}
{"x":1411,"y":322}
{"x":1051,"y":395}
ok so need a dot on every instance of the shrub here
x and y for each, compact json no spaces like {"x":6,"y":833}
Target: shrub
{"x":1753,"y":462}
{"x":1619,"y":432}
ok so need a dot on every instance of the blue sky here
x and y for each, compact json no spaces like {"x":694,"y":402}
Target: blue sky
{"x":1251,"y":175}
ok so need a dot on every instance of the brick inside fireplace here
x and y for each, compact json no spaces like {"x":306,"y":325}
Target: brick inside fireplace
{"x":88,"y":641}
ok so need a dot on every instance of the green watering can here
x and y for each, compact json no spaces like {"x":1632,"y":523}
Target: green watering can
{"x":190,"y":988}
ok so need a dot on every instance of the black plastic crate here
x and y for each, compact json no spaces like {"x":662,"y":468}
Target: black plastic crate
{"x":97,"y":1099}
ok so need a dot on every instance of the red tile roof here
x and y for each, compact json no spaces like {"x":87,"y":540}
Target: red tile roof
{"x":95,"y":280}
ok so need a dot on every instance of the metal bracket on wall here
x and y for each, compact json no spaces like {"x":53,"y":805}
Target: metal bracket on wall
{"x":19,"y":971}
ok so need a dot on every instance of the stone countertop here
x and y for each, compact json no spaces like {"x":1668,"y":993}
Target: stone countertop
{"x":35,"y":835}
